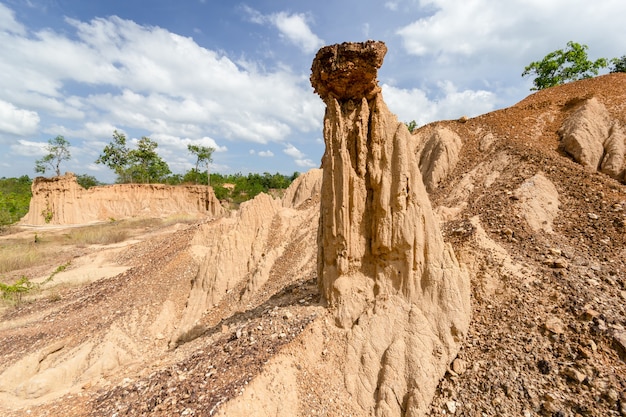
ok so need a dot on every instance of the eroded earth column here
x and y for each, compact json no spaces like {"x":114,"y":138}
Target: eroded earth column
{"x":396,"y":287}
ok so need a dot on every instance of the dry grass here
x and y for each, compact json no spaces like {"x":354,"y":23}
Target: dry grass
{"x":105,"y":234}
{"x":18,"y":255}
{"x":180,"y":219}
{"x":43,"y":246}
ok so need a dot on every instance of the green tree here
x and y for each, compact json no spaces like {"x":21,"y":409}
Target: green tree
{"x":15,"y":195}
{"x":87,"y":181}
{"x":412,"y":125}
{"x":204,"y":155}
{"x":562,"y":66}
{"x":146,"y":164}
{"x":618,"y":64}
{"x":115,"y":156}
{"x":58,"y":151}
{"x":142,"y":164}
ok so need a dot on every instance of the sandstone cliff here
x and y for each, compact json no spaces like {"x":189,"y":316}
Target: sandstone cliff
{"x":382,"y":262}
{"x":61,"y":200}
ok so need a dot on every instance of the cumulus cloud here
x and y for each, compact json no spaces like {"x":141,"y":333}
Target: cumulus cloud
{"x":178,"y":143}
{"x":298,"y":156}
{"x":292,"y":27}
{"x":17,"y":121}
{"x":266,"y":154}
{"x":489,"y":26}
{"x":8,"y":22}
{"x":293,"y":152}
{"x":414,"y":104}
{"x":29,"y":148}
{"x":145,"y":77}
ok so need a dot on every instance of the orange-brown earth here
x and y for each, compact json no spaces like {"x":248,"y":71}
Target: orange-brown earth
{"x":541,"y":237}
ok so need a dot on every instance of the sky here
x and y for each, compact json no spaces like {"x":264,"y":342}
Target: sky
{"x":235,"y":75}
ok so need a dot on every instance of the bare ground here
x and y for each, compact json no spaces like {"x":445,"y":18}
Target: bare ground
{"x":547,"y":336}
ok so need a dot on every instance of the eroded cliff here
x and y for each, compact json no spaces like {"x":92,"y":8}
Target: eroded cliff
{"x":61,"y":200}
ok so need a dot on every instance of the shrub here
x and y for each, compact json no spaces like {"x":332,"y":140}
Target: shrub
{"x":618,"y":64}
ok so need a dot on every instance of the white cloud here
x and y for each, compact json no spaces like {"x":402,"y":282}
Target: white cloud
{"x":175,"y":142}
{"x":298,"y":156}
{"x":266,"y":154}
{"x":293,"y":27}
{"x":391,"y":5}
{"x":151,"y":79}
{"x":509,"y":29}
{"x":296,"y":29}
{"x":29,"y":148}
{"x":8,"y":22}
{"x":17,"y":121}
{"x":305,"y":163}
{"x":293,"y":152}
{"x":414,"y":104}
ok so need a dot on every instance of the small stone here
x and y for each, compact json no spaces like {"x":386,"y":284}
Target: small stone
{"x":451,"y":406}
{"x":619,"y":343}
{"x":459,"y":366}
{"x":287,"y":315}
{"x":555,"y":325}
{"x":592,"y":216}
{"x":574,"y":374}
{"x":612,"y":395}
{"x":160,"y":336}
{"x":560,"y":263}
{"x":584,"y":353}
{"x":555,"y":251}
{"x":589,"y":314}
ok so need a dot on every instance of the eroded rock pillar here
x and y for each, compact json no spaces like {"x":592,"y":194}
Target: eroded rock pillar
{"x":382,"y":261}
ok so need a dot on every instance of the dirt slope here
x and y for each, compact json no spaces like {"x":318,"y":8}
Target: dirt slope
{"x":541,"y":236}
{"x":544,"y":240}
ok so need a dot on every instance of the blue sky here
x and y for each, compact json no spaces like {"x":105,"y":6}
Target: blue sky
{"x":235,"y":75}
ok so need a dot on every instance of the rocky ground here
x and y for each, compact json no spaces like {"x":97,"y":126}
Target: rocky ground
{"x":547,"y":336}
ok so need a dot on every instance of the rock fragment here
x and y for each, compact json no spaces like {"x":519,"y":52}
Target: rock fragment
{"x":555,"y":325}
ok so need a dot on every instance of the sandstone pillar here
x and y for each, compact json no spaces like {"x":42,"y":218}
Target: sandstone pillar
{"x":382,"y":262}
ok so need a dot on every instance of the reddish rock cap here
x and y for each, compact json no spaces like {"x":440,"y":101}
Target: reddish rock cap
{"x":348,"y":71}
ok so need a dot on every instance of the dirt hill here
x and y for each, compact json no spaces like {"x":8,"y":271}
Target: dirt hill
{"x":225,"y":317}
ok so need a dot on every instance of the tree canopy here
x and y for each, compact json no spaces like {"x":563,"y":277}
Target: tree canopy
{"x":145,"y":163}
{"x":618,"y":64}
{"x":204,"y":155}
{"x":562,"y":66}
{"x":142,"y":164}
{"x":15,"y":194}
{"x":115,"y":156}
{"x":58,"y":151}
